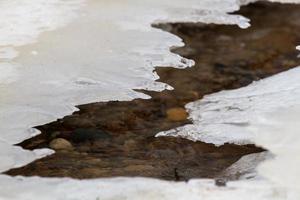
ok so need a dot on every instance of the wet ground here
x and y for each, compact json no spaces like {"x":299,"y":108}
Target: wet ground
{"x":117,"y":138}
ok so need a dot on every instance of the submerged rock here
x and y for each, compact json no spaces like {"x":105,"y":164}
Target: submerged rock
{"x":60,"y":144}
{"x":177,"y":114}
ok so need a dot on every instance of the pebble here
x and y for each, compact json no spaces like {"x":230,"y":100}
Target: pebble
{"x":177,"y":114}
{"x":60,"y":144}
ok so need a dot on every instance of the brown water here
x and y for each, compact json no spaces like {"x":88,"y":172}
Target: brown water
{"x":117,"y":138}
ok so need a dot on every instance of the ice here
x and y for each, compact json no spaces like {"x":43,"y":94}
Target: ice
{"x":56,"y":54}
{"x":224,"y":117}
{"x":134,"y":189}
{"x":279,"y":132}
{"x":246,"y":167}
{"x":265,"y":113}
{"x":8,"y":53}
{"x":13,"y":156}
{"x":23,"y":21}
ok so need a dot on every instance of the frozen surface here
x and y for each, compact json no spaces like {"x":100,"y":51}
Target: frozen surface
{"x":56,"y":54}
{"x":60,"y":53}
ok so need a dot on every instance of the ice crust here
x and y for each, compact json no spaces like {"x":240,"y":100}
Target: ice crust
{"x":56,"y":54}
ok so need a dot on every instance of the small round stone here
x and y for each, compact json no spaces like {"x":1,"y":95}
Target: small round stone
{"x":177,"y":114}
{"x":60,"y":144}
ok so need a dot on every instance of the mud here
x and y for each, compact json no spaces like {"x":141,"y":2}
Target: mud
{"x":117,"y":138}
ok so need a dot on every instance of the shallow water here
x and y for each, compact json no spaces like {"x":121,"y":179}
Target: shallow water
{"x":57,"y":80}
{"x":131,"y":148}
{"x":98,"y":51}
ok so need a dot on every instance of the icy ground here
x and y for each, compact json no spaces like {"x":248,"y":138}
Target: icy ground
{"x":56,"y":54}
